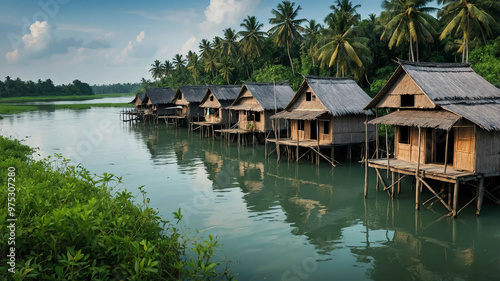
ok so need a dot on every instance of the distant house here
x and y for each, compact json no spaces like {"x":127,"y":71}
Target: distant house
{"x":257,"y":102}
{"x":447,"y":125}
{"x":327,"y":111}
{"x":188,"y":98}
{"x":158,"y":101}
{"x":214,"y":104}
{"x":138,"y":102}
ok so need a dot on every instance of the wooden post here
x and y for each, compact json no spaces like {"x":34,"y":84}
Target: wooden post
{"x":366,"y":157}
{"x":399,"y":183}
{"x":480,"y":193}
{"x":277,"y":132}
{"x":417,"y":173}
{"x":392,"y":188}
{"x":376,"y":137}
{"x":349,"y":152}
{"x":297,"y":156}
{"x":455,"y":199}
{"x":317,"y":136}
{"x":446,"y":152}
{"x":387,"y":148}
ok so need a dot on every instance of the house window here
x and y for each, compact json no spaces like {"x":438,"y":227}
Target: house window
{"x":180,"y":96}
{"x":257,"y":116}
{"x":211,"y":98}
{"x":301,"y":125}
{"x":308,"y":96}
{"x":404,"y":134}
{"x":407,"y":100}
{"x":326,"y":127}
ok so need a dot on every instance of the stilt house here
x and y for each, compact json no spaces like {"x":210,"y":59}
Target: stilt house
{"x":158,"y":101}
{"x":189,"y":98}
{"x":256,"y":102}
{"x":138,"y":102}
{"x":447,"y":125}
{"x":327,"y":111}
{"x":215,"y":103}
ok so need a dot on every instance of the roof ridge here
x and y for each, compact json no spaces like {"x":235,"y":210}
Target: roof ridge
{"x":433,"y":64}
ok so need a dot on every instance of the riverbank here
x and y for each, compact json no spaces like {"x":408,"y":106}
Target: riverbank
{"x":13,"y":109}
{"x":63,"y":98}
{"x":67,"y":224}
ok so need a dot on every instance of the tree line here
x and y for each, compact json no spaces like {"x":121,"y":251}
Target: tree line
{"x":18,"y":88}
{"x":118,"y":88}
{"x":343,"y":45}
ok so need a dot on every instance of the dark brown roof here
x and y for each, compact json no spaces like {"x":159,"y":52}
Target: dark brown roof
{"x":192,"y":93}
{"x":299,"y":114}
{"x":159,"y":95}
{"x":264,"y":94}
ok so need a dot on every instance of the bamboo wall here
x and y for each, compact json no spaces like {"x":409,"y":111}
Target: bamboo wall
{"x":409,"y":152}
{"x":306,"y":133}
{"x":403,"y":86}
{"x":487,"y":151}
{"x":464,"y":153}
{"x":244,"y":123}
{"x":351,"y":129}
{"x":301,"y":103}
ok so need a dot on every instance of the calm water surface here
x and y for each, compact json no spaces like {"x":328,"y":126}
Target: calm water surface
{"x":277,"y":222}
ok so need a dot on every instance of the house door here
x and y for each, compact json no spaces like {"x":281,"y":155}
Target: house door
{"x":314,"y":130}
{"x":440,"y":146}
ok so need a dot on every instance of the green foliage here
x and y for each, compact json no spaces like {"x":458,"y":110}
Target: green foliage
{"x":376,"y":86}
{"x":19,"y":88}
{"x":72,"y":225}
{"x":485,"y":60}
{"x":118,"y":88}
{"x":278,"y":73}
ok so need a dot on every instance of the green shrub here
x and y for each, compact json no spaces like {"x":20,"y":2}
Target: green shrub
{"x":71,"y":225}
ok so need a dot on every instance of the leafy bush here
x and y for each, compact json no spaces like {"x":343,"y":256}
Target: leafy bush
{"x":72,"y":226}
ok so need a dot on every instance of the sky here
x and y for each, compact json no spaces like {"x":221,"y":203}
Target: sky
{"x":113,"y":41}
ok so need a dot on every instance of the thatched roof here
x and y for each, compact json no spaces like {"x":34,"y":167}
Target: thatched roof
{"x":264,"y":95}
{"x":191,"y":93}
{"x":340,"y":96}
{"x":454,"y":87}
{"x":299,"y":114}
{"x":225,"y":95}
{"x":159,"y":95}
{"x":436,"y":119}
{"x":139,"y":96}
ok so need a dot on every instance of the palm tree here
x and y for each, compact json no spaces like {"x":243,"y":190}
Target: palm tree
{"x":156,"y":70}
{"x":410,"y":22}
{"x":287,"y":29}
{"x":226,"y":68}
{"x":252,"y":39}
{"x":343,"y":17}
{"x":311,"y":34}
{"x":217,"y":45}
{"x":347,"y":51}
{"x":467,"y":17}
{"x":211,"y":62}
{"x":204,"y":46}
{"x":194,"y":64}
{"x":167,"y":68}
{"x":179,"y":62}
{"x":230,"y":42}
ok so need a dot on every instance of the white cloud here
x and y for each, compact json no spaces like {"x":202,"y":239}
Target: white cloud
{"x":228,"y":11}
{"x":188,"y":45}
{"x":12,"y":57}
{"x":40,"y":36}
{"x":140,"y":37}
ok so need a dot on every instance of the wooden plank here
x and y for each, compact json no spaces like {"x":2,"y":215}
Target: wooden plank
{"x":436,"y":195}
{"x":455,"y":199}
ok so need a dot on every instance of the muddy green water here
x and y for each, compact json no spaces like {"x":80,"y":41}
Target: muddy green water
{"x":276,"y":222}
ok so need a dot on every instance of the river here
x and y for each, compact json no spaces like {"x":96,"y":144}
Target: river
{"x":286,"y":221}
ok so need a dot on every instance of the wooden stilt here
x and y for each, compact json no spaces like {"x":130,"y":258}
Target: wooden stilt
{"x":455,"y":199}
{"x":446,"y":152}
{"x":317,"y":154}
{"x":392,"y":188}
{"x":399,"y":183}
{"x":480,"y":193}
{"x":349,"y":150}
{"x":417,"y":173}
{"x":376,"y":138}
{"x":387,"y":149}
{"x":297,"y":145}
{"x":278,"y":152}
{"x":449,"y":194}
{"x":366,"y":157}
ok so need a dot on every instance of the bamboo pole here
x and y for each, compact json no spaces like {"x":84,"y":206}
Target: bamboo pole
{"x":417,"y":173}
{"x":387,"y":149}
{"x":399,"y":183}
{"x":436,"y":195}
{"x":366,"y":157}
{"x":446,"y":152}
{"x":277,"y":128}
{"x":317,"y":136}
{"x":376,"y":138}
{"x":455,"y":199}
{"x":393,"y":184}
{"x":297,"y":142}
{"x":480,"y":193}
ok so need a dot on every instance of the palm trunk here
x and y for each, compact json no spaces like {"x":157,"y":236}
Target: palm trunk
{"x":289,"y":57}
{"x":416,"y":41}
{"x":467,"y":40}
{"x":412,"y":57}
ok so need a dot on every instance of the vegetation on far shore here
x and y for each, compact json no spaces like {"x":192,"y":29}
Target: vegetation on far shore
{"x":72,"y":225}
{"x":64,"y":98}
